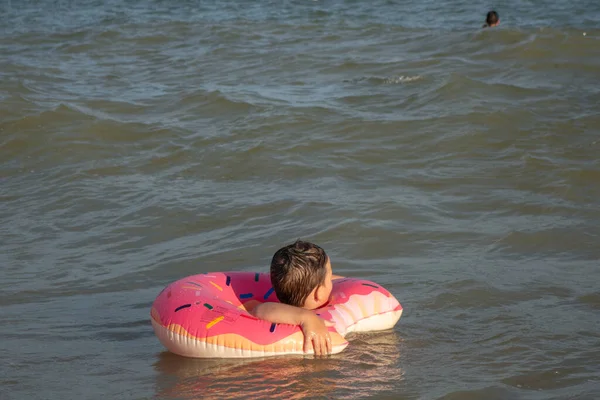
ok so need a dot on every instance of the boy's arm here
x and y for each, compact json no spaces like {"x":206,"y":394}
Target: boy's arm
{"x":313,"y":327}
{"x":334,"y":277}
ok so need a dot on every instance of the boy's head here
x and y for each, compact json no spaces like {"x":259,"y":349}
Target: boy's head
{"x":301,"y":275}
{"x":492,"y":19}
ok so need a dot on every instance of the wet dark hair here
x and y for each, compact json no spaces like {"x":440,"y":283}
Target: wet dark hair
{"x":296,"y":270}
{"x":492,"y":18}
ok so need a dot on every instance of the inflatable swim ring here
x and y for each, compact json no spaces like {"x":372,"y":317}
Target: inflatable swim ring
{"x":207,"y":315}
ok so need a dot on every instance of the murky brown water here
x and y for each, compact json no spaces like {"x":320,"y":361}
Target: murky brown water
{"x":141,"y":142}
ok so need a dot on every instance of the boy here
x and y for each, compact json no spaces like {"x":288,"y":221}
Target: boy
{"x":492,"y":19}
{"x":302,"y":279}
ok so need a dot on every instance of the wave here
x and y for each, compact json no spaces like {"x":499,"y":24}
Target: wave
{"x":216,"y":102}
{"x":386,"y":80}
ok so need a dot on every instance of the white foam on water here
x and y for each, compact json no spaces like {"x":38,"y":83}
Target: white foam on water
{"x":402,"y":79}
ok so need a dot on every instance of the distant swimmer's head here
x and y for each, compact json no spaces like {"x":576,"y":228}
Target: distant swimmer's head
{"x":492,"y":19}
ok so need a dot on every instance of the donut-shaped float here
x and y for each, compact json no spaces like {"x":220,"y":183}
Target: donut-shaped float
{"x":206,"y":315}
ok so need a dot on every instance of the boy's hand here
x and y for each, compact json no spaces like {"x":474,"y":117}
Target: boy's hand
{"x":316,"y":334}
{"x":313,"y":327}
